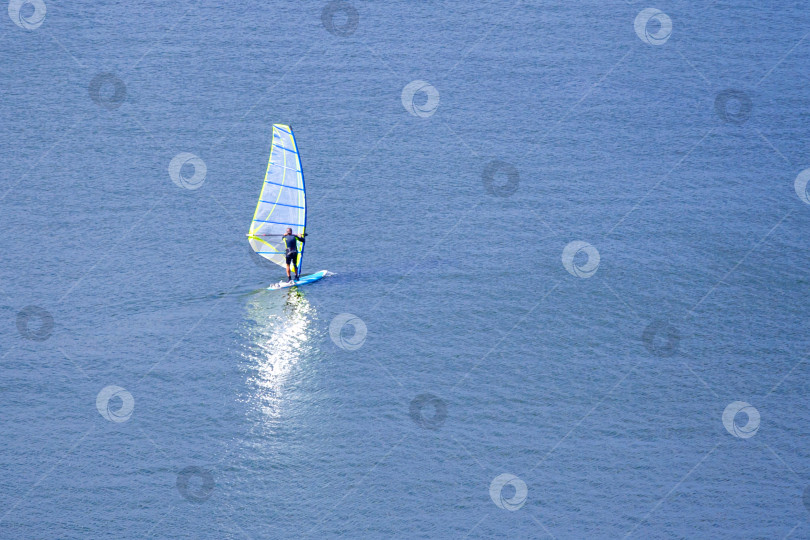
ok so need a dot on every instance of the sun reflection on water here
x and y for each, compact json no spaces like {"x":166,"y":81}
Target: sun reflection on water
{"x":279,"y":337}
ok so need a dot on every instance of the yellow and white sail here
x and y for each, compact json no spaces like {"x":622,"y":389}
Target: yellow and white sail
{"x":282,"y":201}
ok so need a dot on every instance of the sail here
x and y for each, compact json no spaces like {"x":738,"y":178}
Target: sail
{"x":282,"y":201}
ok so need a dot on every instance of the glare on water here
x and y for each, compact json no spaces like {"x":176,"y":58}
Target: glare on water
{"x":278,"y":327}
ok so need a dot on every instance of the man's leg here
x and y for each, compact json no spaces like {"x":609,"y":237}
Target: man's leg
{"x":288,"y":271}
{"x":295,"y":267}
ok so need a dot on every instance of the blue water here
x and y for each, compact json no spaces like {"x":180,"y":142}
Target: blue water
{"x":235,"y":413}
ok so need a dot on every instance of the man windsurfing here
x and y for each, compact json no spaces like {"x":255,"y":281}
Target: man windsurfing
{"x":291,"y":255}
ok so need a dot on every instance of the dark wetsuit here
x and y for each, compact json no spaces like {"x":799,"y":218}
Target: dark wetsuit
{"x":292,"y":248}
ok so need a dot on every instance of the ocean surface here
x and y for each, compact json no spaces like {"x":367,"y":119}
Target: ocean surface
{"x":568,"y":246}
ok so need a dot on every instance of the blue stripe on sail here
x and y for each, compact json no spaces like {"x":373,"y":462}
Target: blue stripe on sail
{"x":283,"y":167}
{"x":283,"y":185}
{"x":279,"y":204}
{"x":287,"y":149}
{"x":279,"y":223}
{"x":281,"y":129}
{"x":270,"y":252}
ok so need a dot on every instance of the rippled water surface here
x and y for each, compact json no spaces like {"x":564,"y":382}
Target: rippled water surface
{"x":568,"y":245}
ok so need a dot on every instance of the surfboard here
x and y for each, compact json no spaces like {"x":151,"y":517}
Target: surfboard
{"x":303,"y":281}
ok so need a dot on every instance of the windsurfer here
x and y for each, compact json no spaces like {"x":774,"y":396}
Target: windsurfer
{"x":291,"y":255}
